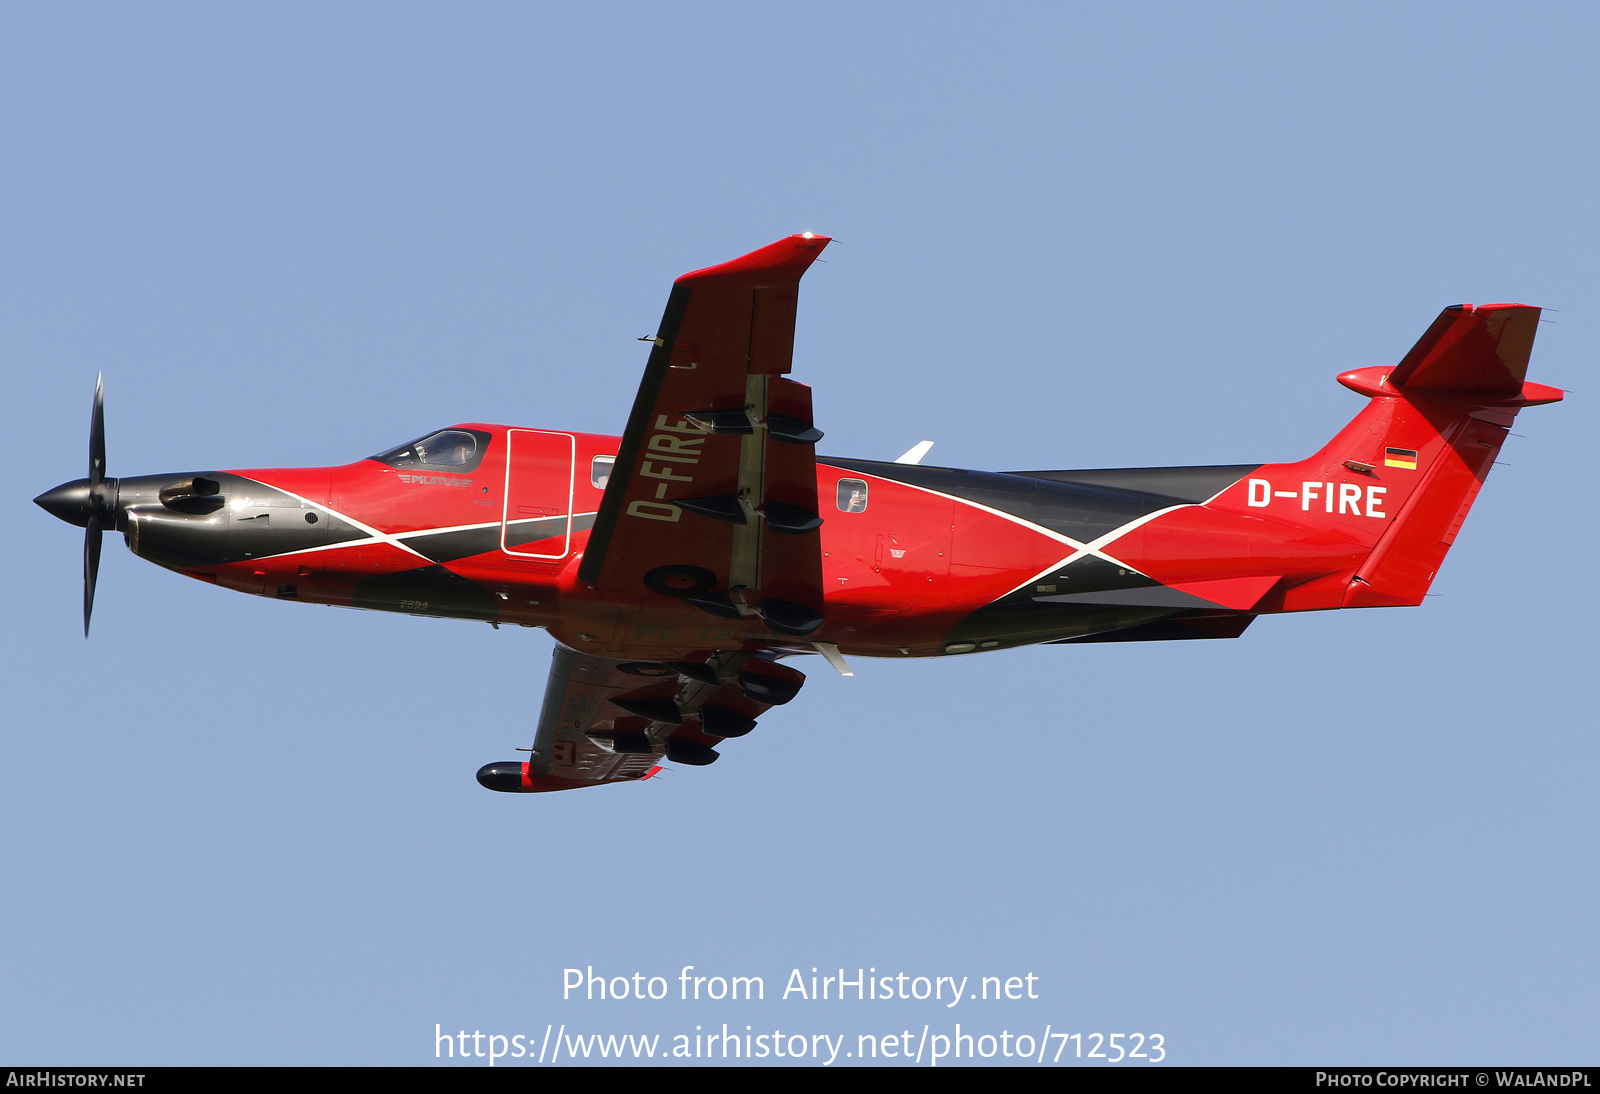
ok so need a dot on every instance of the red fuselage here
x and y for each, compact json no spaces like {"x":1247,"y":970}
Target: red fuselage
{"x":916,"y":561}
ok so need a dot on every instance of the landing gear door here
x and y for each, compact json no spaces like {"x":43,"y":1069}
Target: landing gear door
{"x":537,"y":521}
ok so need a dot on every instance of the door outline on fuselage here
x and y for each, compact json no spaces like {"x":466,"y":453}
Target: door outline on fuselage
{"x":505,"y":508}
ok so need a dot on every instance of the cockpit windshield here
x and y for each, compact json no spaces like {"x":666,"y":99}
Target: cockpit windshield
{"x":448,"y":449}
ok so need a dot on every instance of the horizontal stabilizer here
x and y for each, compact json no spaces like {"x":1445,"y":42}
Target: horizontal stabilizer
{"x":1239,"y":593}
{"x":1219,"y":625}
{"x":1469,"y":350}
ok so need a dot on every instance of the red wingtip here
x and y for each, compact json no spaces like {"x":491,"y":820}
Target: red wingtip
{"x":784,"y":260}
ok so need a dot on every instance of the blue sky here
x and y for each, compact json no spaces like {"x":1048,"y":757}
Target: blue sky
{"x":242,"y":831}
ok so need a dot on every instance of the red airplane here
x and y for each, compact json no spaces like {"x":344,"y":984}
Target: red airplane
{"x":677,"y":564}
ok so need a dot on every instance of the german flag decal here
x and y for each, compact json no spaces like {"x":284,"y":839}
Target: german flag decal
{"x":1400,"y":457}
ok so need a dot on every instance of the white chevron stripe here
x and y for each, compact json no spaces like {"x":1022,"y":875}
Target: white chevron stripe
{"x":373,"y":535}
{"x":1079,"y":549}
{"x":1094,"y":547}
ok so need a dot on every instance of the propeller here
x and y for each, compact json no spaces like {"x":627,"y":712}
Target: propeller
{"x":90,"y":503}
{"x":97,"y":499}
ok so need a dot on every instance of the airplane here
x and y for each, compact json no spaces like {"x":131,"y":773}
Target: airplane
{"x":679,"y":564}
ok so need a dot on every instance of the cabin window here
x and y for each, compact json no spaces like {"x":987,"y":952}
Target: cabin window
{"x":852,"y":496}
{"x":453,"y":449}
{"x":600,"y":471}
{"x":448,"y":448}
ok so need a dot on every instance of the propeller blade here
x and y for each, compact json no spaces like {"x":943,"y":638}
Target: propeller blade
{"x":91,"y":567}
{"x":97,"y":435}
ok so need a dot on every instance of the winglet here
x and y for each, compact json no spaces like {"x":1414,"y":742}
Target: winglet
{"x":784,"y":260}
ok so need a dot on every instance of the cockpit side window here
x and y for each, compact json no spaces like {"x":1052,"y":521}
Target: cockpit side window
{"x":456,"y":450}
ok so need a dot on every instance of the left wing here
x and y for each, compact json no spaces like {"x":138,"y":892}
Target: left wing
{"x":713,"y":498}
{"x":607,"y":721}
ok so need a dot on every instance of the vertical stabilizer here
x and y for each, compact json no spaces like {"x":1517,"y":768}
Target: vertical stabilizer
{"x":1467,"y":377}
{"x":1398,"y":481}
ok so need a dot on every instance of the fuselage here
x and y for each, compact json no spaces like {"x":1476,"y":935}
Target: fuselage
{"x":916,"y":561}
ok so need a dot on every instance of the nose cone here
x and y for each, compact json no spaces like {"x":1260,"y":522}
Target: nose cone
{"x":71,"y":502}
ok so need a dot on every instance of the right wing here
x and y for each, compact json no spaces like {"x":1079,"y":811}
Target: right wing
{"x":713,"y":498}
{"x":607,"y":721}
